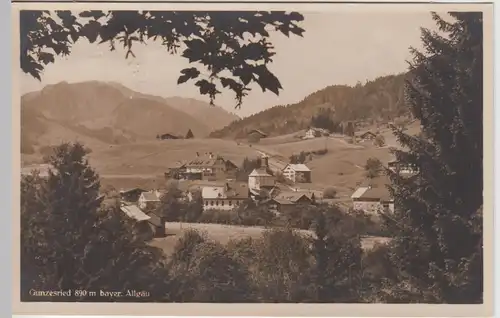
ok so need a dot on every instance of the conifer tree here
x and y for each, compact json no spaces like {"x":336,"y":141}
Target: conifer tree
{"x":189,"y":134}
{"x":437,"y":248}
{"x":72,"y":243}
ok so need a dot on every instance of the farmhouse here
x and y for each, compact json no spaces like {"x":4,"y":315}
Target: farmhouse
{"x":372,"y":199}
{"x":153,"y":221}
{"x":297,"y":173}
{"x":286,"y":201}
{"x":208,"y":167}
{"x":169,"y":136}
{"x":315,"y":132}
{"x":224,"y":197}
{"x":367,"y":135}
{"x":131,"y":195}
{"x":401,"y":168}
{"x":257,"y":132}
{"x":149,"y":200}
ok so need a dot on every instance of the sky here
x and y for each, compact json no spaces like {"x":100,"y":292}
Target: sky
{"x":337,"y":48}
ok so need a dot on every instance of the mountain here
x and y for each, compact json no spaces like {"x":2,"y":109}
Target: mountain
{"x":101,"y":113}
{"x":380,"y":100}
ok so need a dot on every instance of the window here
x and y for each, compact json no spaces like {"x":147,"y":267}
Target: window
{"x":206,"y":202}
{"x":212,"y":203}
{"x":230,"y":203}
{"x":217,"y":203}
{"x":222,"y":203}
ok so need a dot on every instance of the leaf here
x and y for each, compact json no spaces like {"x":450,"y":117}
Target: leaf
{"x":91,"y":31}
{"x":96,"y":14}
{"x":188,"y":73}
{"x":46,"y":58}
{"x":268,"y":80}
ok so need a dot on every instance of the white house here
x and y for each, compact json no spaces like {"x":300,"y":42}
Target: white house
{"x":297,"y":173}
{"x":314,"y":132}
{"x":149,"y":199}
{"x":224,"y":197}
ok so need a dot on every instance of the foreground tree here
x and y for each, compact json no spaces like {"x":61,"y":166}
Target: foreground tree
{"x":70,"y":242}
{"x":437,"y":246}
{"x":232,"y":46}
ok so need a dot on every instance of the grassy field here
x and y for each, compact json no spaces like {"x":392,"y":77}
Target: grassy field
{"x":225,"y":233}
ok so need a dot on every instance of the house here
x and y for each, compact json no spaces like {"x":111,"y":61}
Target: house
{"x":368,"y":135}
{"x":208,"y":167}
{"x":257,"y":132}
{"x":149,"y":200}
{"x":260,"y":178}
{"x":175,"y":171}
{"x":151,"y":220}
{"x":131,"y":195}
{"x":316,"y":132}
{"x":401,"y":168}
{"x":373,"y":199}
{"x":224,"y":197}
{"x":286,"y":201}
{"x":299,"y":173}
{"x":169,"y":136}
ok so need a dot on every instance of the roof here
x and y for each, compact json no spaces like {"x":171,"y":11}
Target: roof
{"x":154,"y":219}
{"x":213,"y":192}
{"x":131,"y":190}
{"x":177,"y":165}
{"x":377,"y":193}
{"x":237,"y":190}
{"x":300,"y":167}
{"x":364,"y":133}
{"x":150,"y":196}
{"x":134,"y":212}
{"x":359,"y":192}
{"x":258,"y":131}
{"x":259,"y":172}
{"x":291,"y":196}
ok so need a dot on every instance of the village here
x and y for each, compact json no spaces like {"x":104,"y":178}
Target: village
{"x":274,"y":184}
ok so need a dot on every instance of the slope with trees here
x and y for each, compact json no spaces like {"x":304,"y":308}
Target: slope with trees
{"x":379,"y":100}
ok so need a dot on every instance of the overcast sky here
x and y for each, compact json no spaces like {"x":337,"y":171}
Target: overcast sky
{"x":337,"y":48}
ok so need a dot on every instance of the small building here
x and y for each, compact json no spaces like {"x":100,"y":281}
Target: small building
{"x":373,"y":199}
{"x":316,"y":132}
{"x":401,"y":168}
{"x":225,"y":197}
{"x":297,"y":173}
{"x":169,"y":136}
{"x":131,"y":195}
{"x":367,"y":135}
{"x":257,"y":132}
{"x":149,"y":221}
{"x":149,"y":200}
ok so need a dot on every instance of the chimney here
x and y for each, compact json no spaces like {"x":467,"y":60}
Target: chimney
{"x":264,"y":163}
{"x":211,"y":155}
{"x":197,"y":154}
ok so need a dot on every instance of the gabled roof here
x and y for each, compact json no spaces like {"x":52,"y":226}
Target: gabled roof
{"x":134,"y":212}
{"x":377,"y":193}
{"x":300,"y":167}
{"x":154,"y":219}
{"x":258,"y":131}
{"x":259,"y":172}
{"x":126,"y":191}
{"x":359,"y":192}
{"x":291,"y":196}
{"x":150,"y":196}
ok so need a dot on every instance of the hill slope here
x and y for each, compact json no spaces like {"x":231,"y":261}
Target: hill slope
{"x":109,"y":113}
{"x":376,"y":101}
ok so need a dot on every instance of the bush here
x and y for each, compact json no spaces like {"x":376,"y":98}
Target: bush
{"x":329,"y":193}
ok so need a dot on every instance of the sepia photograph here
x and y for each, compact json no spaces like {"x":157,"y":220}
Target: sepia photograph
{"x":289,"y":156}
